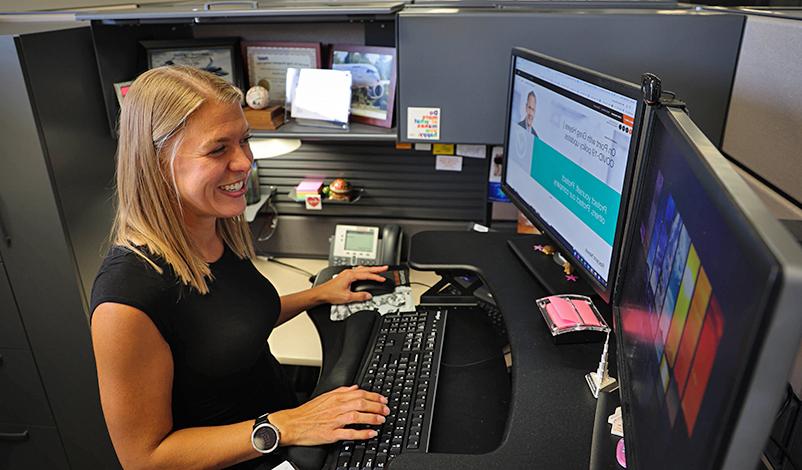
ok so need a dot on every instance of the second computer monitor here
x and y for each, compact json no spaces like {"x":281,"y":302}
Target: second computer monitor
{"x":571,"y":140}
{"x":707,"y":309}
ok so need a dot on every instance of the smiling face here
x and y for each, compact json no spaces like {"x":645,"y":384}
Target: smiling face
{"x":213,"y":162}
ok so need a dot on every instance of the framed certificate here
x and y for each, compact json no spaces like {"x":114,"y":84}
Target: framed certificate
{"x":217,"y":56}
{"x":373,"y":81}
{"x":267,"y":62}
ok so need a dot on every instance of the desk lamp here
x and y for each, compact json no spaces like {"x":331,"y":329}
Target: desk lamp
{"x":263,"y":148}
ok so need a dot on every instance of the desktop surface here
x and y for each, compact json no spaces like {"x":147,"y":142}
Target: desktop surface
{"x":551,"y":410}
{"x":546,"y":412}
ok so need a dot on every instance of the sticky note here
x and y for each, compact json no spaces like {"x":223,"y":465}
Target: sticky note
{"x":443,"y":149}
{"x":448,"y":163}
{"x":423,"y":147}
{"x":472,"y":151}
{"x":423,"y":123}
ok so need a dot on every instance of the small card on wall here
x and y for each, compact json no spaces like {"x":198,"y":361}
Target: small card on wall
{"x":314,"y":203}
{"x":448,"y":163}
{"x":443,"y":149}
{"x":423,"y":147}
{"x":423,"y":123}
{"x":472,"y":151}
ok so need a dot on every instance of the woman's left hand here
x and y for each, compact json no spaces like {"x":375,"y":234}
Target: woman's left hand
{"x":338,"y":290}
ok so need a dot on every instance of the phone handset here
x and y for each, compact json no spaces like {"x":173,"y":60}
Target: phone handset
{"x":391,"y":245}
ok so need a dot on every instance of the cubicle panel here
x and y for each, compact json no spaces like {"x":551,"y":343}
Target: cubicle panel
{"x":42,"y":133}
{"x":459,"y":62}
{"x":764,"y":127}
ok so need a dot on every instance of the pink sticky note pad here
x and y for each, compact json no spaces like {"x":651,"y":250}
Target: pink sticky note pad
{"x":562,"y":313}
{"x":308,"y":186}
{"x":588,"y":315}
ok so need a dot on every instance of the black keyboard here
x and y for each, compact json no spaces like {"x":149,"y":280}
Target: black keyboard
{"x":401,"y":362}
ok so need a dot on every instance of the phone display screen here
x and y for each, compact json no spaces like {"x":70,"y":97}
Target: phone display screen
{"x":359,"y":241}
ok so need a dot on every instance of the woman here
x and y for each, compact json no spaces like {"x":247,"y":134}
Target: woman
{"x":180,"y":316}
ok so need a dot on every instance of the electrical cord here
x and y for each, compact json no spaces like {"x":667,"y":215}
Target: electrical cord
{"x":421,"y":284}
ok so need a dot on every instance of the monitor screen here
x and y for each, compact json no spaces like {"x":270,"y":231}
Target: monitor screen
{"x":693,"y":305}
{"x":569,"y":150}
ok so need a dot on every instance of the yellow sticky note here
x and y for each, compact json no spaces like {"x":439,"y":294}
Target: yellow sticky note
{"x":443,"y":149}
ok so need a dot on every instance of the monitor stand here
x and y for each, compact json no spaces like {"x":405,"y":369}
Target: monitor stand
{"x":547,"y":269}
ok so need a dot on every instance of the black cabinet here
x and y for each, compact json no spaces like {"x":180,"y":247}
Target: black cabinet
{"x":56,"y":171}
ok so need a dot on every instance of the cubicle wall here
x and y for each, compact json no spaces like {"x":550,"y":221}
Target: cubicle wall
{"x":458,"y":60}
{"x":400,"y":186}
{"x":764,"y":127}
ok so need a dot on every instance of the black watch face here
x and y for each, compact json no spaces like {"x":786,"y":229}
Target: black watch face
{"x":264,"y":438}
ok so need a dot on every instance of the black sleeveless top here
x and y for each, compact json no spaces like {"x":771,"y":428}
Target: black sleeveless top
{"x":224,"y":371}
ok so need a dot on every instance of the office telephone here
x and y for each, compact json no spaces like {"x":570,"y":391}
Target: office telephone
{"x":354,"y":245}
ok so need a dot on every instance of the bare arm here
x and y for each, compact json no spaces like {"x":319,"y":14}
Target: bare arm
{"x":135,"y":374}
{"x":335,"y":291}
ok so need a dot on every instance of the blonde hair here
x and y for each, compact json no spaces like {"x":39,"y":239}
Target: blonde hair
{"x":149,"y":212}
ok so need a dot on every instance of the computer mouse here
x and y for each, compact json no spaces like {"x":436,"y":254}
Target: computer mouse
{"x":374,"y":287}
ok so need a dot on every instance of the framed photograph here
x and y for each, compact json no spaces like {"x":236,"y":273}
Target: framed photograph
{"x":121,"y":89}
{"x":268,"y":62}
{"x":373,"y":71}
{"x":218,"y":56}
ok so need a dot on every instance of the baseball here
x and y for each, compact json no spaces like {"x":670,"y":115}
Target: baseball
{"x":257,"y":97}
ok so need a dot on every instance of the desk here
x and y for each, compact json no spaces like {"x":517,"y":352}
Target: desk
{"x":297,"y":342}
{"x":551,"y":414}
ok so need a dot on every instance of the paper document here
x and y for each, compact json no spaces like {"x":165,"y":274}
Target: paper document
{"x":398,"y":301}
{"x":324,"y":95}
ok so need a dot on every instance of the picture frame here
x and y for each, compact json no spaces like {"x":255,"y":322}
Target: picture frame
{"x":219,"y":56}
{"x":373,"y":73}
{"x":269,"y":61}
{"x":121,"y":89}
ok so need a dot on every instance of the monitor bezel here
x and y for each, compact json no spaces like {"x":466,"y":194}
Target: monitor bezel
{"x":776,"y":339}
{"x":608,"y":82}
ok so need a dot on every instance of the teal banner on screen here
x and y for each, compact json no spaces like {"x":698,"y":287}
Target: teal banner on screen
{"x":595,"y":203}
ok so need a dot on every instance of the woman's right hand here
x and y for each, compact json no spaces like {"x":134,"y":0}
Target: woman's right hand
{"x":322,"y":420}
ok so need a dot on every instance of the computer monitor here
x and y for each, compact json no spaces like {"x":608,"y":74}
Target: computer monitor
{"x":707,"y":310}
{"x":570,"y":146}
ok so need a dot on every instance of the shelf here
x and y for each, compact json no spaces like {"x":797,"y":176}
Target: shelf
{"x":355,"y":195}
{"x":196,"y":11}
{"x":361,"y":132}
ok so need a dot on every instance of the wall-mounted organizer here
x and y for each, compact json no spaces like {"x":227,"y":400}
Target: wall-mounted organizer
{"x":400,"y":186}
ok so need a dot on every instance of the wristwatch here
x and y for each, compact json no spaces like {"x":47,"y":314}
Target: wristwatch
{"x":265,"y":437}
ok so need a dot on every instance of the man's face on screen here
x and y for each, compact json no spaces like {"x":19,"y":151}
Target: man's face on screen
{"x":531,"y":104}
